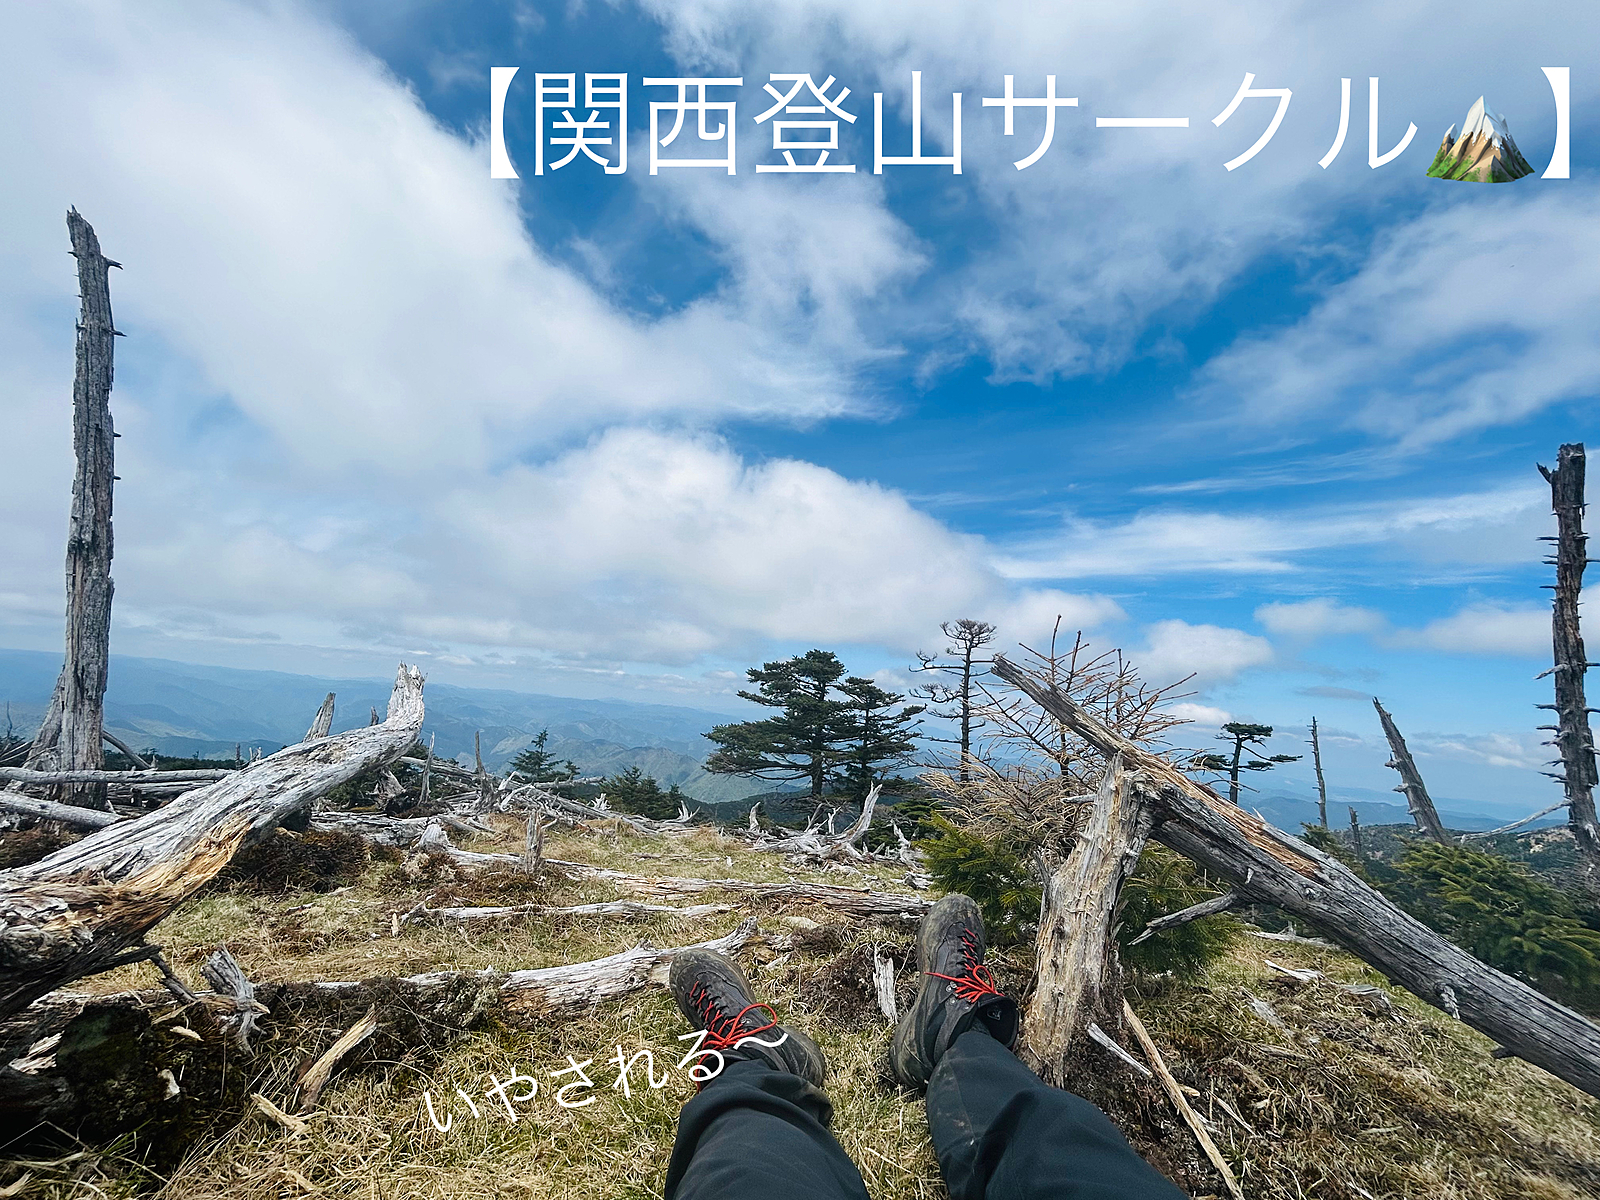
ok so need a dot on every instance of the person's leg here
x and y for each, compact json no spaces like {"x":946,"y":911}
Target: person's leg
{"x":758,"y":1130}
{"x":758,"y":1133}
{"x":1002,"y":1133}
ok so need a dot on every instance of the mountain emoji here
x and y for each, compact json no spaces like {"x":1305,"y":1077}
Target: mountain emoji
{"x":1484,"y":153}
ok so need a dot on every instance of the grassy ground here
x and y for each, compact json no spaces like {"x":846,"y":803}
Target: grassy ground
{"x":1327,"y":1097}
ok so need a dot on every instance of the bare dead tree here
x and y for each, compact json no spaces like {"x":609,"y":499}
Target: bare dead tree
{"x":1269,"y":866}
{"x":322,"y":722}
{"x":70,"y":736}
{"x":1355,"y":835}
{"x":955,"y":701}
{"x":1573,"y":738}
{"x":1411,"y":785}
{"x":1322,"y":785}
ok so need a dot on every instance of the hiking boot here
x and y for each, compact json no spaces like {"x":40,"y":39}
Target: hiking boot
{"x":958,"y":992}
{"x":713,"y":994}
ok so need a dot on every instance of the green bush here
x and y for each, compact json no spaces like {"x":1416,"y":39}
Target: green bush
{"x":993,"y":874}
{"x":1166,"y":882}
{"x":1009,"y":896}
{"x":633,"y":792}
{"x":1498,"y":911}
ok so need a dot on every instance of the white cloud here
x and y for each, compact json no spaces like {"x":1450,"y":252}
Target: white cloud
{"x":1211,"y":653}
{"x":1522,"y":751}
{"x":1307,"y":620}
{"x":1488,"y":527}
{"x":1421,"y":345}
{"x":1205,"y":715}
{"x":1486,"y":629}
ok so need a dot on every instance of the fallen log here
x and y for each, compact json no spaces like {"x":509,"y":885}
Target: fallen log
{"x":49,"y":810}
{"x":1267,"y":865}
{"x":571,"y":985}
{"x":45,"y":778}
{"x":104,"y":1078}
{"x":86,"y":907}
{"x":604,"y":908}
{"x":855,"y":901}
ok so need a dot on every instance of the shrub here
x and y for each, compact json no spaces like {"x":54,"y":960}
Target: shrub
{"x":1501,"y":913}
{"x":1009,"y":896}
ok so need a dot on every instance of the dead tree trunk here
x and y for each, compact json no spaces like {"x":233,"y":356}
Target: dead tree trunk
{"x":71,"y":733}
{"x":1079,"y":974}
{"x":1322,"y":785}
{"x":1355,"y":835}
{"x":1411,"y":785}
{"x":1267,"y":865}
{"x":1573,"y":738}
{"x":87,"y":907}
{"x":322,"y":722}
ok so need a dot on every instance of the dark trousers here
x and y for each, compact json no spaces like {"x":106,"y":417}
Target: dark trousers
{"x":1000,"y":1133}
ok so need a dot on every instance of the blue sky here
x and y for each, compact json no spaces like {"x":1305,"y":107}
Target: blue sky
{"x":627,"y":435}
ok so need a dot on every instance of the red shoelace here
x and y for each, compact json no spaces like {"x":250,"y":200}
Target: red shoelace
{"x":977,"y":981}
{"x":724,"y":1029}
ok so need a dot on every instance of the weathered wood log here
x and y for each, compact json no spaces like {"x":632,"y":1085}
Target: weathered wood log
{"x":49,"y":810}
{"x":438,"y":1003}
{"x":572,"y":985}
{"x":117,"y":743}
{"x":1079,"y":977}
{"x":1265,"y":864}
{"x":1527,"y":820}
{"x":1411,"y":785}
{"x":1206,"y":908}
{"x":1175,"y":1093}
{"x":856,"y":902}
{"x":322,"y":722}
{"x":86,"y":907}
{"x":45,"y":778}
{"x":604,"y":908}
{"x":1573,"y":738}
{"x":71,"y":732}
{"x":316,"y":1078}
{"x":223,"y":972}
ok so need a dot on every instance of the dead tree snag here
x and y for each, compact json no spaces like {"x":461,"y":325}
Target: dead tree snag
{"x":1573,"y":738}
{"x":1411,"y":785}
{"x":71,"y":733}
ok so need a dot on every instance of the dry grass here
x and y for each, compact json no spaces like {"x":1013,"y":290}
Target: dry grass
{"x":1351,"y":1104}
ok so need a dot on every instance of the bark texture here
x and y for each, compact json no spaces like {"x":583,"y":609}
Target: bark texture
{"x":1265,"y":864}
{"x":71,"y":734}
{"x":1079,"y":974}
{"x":1573,"y":738}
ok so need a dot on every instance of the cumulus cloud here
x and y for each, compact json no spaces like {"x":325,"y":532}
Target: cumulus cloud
{"x":1205,"y":715}
{"x":1307,"y":620}
{"x":1417,"y":348}
{"x":1211,"y":653}
{"x":1486,"y":629}
{"x":358,"y":382}
{"x":1485,"y":527}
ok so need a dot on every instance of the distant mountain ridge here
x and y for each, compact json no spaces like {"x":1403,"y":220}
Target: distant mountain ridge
{"x":189,"y":710}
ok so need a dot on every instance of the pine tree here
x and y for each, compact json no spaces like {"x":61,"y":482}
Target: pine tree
{"x":538,"y":765}
{"x":1241,"y":734}
{"x":806,"y":740}
{"x":881,"y":738}
{"x":632,"y":791}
